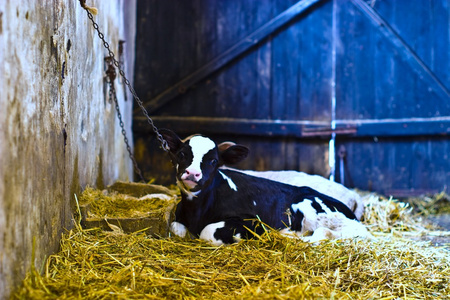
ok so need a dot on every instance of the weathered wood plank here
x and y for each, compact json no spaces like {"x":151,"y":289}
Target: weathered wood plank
{"x":374,"y":79}
{"x":315,"y":64}
{"x":396,"y":166}
{"x":400,"y":127}
{"x":263,"y":68}
{"x":302,"y":129}
{"x":237,"y":85}
{"x":209,"y":125}
{"x":355,"y":64}
{"x":428,"y":35}
{"x":402,"y":47}
{"x":230,"y":54}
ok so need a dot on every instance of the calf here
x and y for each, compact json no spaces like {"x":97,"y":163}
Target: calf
{"x":222,"y":206}
{"x":319,"y":183}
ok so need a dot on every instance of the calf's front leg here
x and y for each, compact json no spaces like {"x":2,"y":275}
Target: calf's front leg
{"x":178,"y":229}
{"x":230,"y":231}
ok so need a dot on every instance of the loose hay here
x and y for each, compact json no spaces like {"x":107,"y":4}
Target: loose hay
{"x":389,"y":215}
{"x":136,"y":210}
{"x":437,"y":204}
{"x":94,"y":264}
{"x":103,"y":204}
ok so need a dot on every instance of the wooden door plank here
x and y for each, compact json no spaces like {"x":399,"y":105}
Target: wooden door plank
{"x":407,"y":53}
{"x":302,"y":129}
{"x":399,"y":166}
{"x":230,"y":54}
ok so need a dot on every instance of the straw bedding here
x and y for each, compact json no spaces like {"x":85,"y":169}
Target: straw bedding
{"x":94,"y":264}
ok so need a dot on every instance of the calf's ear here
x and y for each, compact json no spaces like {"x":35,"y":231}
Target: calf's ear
{"x":173,"y":141}
{"x":224,"y":146}
{"x":233,"y":154}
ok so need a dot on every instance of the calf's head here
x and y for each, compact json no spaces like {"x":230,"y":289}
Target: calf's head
{"x":197,"y":158}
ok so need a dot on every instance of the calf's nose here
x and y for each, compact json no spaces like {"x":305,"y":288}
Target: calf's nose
{"x":192,"y":173}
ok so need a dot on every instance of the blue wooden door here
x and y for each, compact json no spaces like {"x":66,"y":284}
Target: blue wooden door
{"x":286,"y":77}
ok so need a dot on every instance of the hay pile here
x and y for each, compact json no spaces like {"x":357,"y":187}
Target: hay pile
{"x":102,"y":204}
{"x":391,"y":215}
{"x":95,"y":264}
{"x":128,"y":207}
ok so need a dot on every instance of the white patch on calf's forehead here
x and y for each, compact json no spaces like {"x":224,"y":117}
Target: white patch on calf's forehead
{"x":200,"y":146}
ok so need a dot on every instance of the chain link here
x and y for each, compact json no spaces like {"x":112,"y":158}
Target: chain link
{"x":111,"y":75}
{"x":112,"y":96}
{"x":160,"y":138}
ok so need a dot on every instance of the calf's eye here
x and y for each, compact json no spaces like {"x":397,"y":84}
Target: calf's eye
{"x":213,"y":162}
{"x":181,"y":155}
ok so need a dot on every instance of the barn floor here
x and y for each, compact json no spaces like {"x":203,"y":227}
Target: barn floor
{"x":435,"y":211}
{"x":441,"y":221}
{"x":98,"y":264}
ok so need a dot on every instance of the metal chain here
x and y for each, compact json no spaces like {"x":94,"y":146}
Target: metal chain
{"x":116,"y":63}
{"x":113,"y":96}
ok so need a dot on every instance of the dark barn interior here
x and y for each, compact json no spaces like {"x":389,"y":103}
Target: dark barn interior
{"x":286,"y":77}
{"x":356,"y":91}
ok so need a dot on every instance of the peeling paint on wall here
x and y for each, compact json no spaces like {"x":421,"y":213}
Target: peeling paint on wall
{"x":58,"y":133}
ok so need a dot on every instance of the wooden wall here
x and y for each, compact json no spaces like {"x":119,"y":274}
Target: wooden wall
{"x":58,"y":131}
{"x":279,"y":76}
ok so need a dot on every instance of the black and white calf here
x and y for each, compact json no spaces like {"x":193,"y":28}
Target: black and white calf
{"x":319,"y":183}
{"x":220,"y":206}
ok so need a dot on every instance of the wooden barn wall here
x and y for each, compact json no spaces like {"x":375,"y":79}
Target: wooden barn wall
{"x":58,"y":131}
{"x":376,"y":69}
{"x":406,"y":148}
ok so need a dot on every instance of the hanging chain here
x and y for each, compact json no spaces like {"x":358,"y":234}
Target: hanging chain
{"x":111,"y":75}
{"x":116,"y":63}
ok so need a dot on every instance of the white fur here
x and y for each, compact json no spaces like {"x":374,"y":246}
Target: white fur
{"x":178,"y":229}
{"x":237,"y":238}
{"x":338,"y":227}
{"x":200,"y":146}
{"x":207,"y":233}
{"x":230,"y":182}
{"x":325,"y":225}
{"x":310,"y":217}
